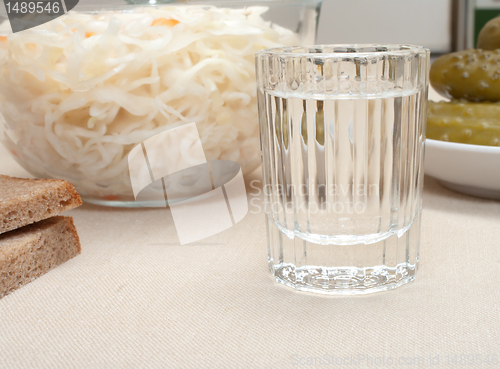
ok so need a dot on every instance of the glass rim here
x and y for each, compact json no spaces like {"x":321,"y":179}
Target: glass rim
{"x":390,"y":49}
{"x":181,"y":2}
{"x":91,"y":6}
{"x":98,"y":4}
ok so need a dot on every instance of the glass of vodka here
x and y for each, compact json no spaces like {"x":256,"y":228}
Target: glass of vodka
{"x":342,"y":131}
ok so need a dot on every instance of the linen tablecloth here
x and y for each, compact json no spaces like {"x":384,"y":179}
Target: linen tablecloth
{"x":135,"y":298}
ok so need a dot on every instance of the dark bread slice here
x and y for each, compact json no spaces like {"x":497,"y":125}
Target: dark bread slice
{"x":25,"y":201}
{"x":33,"y":250}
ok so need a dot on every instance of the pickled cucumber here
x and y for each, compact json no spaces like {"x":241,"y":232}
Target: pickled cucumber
{"x":464,"y":122}
{"x":489,"y":37}
{"x":471,"y":74}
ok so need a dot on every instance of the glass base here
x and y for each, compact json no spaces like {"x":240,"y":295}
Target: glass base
{"x":382,"y":264}
{"x":136,"y":204}
{"x":130,"y":202}
{"x":343,"y":281}
{"x":124,"y":203}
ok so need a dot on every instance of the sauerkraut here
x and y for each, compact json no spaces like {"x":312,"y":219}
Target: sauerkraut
{"x":79,"y":92}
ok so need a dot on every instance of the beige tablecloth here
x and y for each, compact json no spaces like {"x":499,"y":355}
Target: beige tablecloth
{"x":134,"y":298}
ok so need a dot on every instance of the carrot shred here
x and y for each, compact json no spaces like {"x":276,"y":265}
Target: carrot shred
{"x":3,"y":39}
{"x":89,"y":34}
{"x":111,"y":197}
{"x":165,"y":22}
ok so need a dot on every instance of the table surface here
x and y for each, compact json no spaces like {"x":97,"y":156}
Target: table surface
{"x":135,"y":298}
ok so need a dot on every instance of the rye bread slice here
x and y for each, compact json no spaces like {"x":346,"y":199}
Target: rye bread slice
{"x":25,"y":201}
{"x":31,"y":251}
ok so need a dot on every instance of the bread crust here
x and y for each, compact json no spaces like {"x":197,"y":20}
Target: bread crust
{"x":25,"y":201}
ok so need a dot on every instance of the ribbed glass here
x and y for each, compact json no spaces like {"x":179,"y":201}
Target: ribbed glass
{"x":342,"y":137}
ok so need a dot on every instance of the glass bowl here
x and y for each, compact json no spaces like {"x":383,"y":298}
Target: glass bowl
{"x":79,"y":92}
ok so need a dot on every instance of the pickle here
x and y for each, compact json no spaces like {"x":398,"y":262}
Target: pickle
{"x":489,"y":37}
{"x":464,"y":122}
{"x":471,"y":74}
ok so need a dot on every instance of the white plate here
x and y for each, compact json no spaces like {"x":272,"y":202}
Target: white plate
{"x":470,"y":169}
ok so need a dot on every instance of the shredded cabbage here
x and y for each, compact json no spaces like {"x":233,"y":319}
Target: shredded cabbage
{"x":79,"y":92}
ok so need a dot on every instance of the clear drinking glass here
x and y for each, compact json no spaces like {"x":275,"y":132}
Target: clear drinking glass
{"x":342,"y":137}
